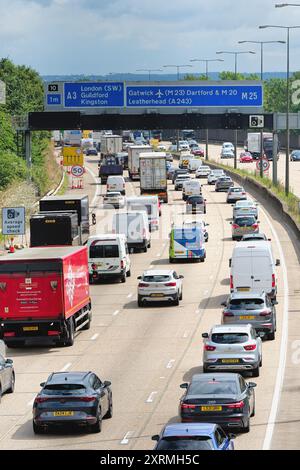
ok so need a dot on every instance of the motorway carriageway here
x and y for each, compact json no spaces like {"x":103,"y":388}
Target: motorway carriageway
{"x":147,"y":353}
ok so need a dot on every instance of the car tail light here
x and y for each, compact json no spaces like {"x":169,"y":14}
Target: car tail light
{"x":273,"y":280}
{"x":209,"y":348}
{"x":143,"y":284}
{"x":122,"y":264}
{"x":41,"y":399}
{"x":185,"y":406}
{"x":9,"y":334}
{"x":53,"y":333}
{"x":255,"y":226}
{"x":170,"y":284}
{"x":239,"y":404}
{"x":235,"y":226}
{"x":265,"y":313}
{"x":94,"y":267}
{"x":243,"y":194}
{"x":231,"y":282}
{"x":250,"y":347}
{"x":227,"y":314}
{"x":86,"y":399}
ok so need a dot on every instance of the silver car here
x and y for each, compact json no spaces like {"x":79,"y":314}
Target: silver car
{"x":227,"y":153}
{"x":214,"y":175}
{"x":247,"y":207}
{"x":223,"y":183}
{"x":159,"y":285}
{"x":113,"y":199}
{"x":232,"y":348}
{"x":236,"y":193}
{"x":203,"y":171}
{"x":251,"y":307}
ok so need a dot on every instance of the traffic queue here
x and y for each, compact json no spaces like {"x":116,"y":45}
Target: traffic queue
{"x":54,"y":302}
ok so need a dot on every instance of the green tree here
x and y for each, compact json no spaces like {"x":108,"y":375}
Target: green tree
{"x":191,"y":76}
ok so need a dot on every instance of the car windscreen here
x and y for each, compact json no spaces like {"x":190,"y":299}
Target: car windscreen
{"x":244,"y":221}
{"x":213,"y":387}
{"x":157,"y":278}
{"x":229,"y":338}
{"x":104,"y":251}
{"x":64,"y":389}
{"x":195,"y":200}
{"x":246,"y":304}
{"x":185,"y":443}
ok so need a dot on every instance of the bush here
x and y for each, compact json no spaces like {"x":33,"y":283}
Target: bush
{"x":12,"y":168}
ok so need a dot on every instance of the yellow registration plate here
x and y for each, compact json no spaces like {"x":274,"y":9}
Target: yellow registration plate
{"x":30,"y":328}
{"x":247,"y":317}
{"x":243,"y":289}
{"x":211,"y":408}
{"x":63,"y":413}
{"x":230,"y":361}
{"x":157,"y":295}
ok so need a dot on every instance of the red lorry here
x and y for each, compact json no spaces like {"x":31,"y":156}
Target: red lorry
{"x":44,"y":294}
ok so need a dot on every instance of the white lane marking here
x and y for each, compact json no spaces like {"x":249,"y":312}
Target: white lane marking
{"x":158,"y":255}
{"x":98,"y":186}
{"x":129,"y":296}
{"x":185,"y":334}
{"x":151,"y":397}
{"x":197,"y":311}
{"x":170,"y":364}
{"x":116,"y":312}
{"x":95,"y":336}
{"x":126,"y":438}
{"x":205,"y":292}
{"x":66,"y":367}
{"x":283,"y":347}
{"x":162,"y":377}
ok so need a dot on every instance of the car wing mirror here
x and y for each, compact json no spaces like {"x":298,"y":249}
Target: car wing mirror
{"x":9,"y":361}
{"x":184,"y":385}
{"x":278,"y":262}
{"x":155,"y":437}
{"x":252,"y":385}
{"x":107,"y":383}
{"x":42,"y":384}
{"x":205,"y":335}
{"x":223,"y":304}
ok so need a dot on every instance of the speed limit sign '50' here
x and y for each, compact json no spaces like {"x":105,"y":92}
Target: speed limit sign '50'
{"x":77,"y":171}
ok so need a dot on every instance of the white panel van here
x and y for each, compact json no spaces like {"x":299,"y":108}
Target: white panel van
{"x":149,"y":204}
{"x":134,"y":225}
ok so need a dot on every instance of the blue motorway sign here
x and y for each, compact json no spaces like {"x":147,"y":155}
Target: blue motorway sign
{"x":193,"y":96}
{"x":54,"y":99}
{"x":94,"y":95}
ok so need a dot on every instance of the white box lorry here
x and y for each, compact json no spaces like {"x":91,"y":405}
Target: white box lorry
{"x":153,"y":174}
{"x":111,"y":145}
{"x":134,"y":152}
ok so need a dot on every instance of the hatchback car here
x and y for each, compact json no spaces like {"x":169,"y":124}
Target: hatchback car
{"x":179,"y":181}
{"x":223,"y":183}
{"x":245,"y":207}
{"x":242,"y":225}
{"x":228,"y":145}
{"x":196,"y":204}
{"x":235,"y":194}
{"x":160,"y":285}
{"x":197,"y":151}
{"x":251,"y":307}
{"x":246,"y":157}
{"x":214,"y":175}
{"x":113,"y":199}
{"x":227,"y":153}
{"x":223,"y":398}
{"x":193,"y":436}
{"x":7,"y":376}
{"x":91,"y":152}
{"x":295,"y":156}
{"x":202,"y":172}
{"x":73,"y":398}
{"x":232,"y":348}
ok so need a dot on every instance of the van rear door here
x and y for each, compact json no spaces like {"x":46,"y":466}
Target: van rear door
{"x":241,"y":273}
{"x":261,"y":272}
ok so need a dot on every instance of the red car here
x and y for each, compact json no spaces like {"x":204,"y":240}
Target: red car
{"x":198,"y":152}
{"x":246,"y":157}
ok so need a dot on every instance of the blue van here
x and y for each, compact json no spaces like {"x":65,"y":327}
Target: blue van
{"x":187,"y":243}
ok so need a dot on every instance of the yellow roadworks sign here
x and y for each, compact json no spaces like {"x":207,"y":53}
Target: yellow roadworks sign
{"x":72,"y":156}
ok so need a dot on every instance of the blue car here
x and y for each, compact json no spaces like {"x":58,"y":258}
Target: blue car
{"x":295,"y":156}
{"x":193,"y":436}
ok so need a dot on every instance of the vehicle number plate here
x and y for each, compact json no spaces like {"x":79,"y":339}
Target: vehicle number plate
{"x":211,"y":408}
{"x":247,"y":317}
{"x":243,"y":289}
{"x":157,"y":295}
{"x":63,"y":413}
{"x":30,"y":328}
{"x":230,"y":361}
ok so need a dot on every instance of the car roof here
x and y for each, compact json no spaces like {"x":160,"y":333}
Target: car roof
{"x":158,"y":272}
{"x":189,"y":429}
{"x":219,"y":376}
{"x":63,"y":377}
{"x":247,"y":295}
{"x":244,"y":202}
{"x":231,"y":328}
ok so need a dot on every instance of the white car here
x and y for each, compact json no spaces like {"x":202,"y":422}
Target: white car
{"x":202,"y":172}
{"x":159,"y":285}
{"x":228,"y":146}
{"x":162,"y":147}
{"x":214,"y":175}
{"x":113,"y":199}
{"x":245,"y":207}
{"x":232,"y":348}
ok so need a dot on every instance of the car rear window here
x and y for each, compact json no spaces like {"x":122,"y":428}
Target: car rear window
{"x":236,"y":190}
{"x":196,"y":199}
{"x":229,"y":338}
{"x":184,"y":443}
{"x":104,"y":251}
{"x":245,"y":221}
{"x":244,"y":304}
{"x":213,"y":387}
{"x":157,"y":278}
{"x":64,"y":388}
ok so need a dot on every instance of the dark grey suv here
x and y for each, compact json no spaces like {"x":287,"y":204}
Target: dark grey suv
{"x":223,"y":183}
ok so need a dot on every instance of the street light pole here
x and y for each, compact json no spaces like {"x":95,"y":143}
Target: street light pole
{"x":235,"y":53}
{"x":178,"y":67}
{"x":206,"y":63}
{"x":262,"y":43}
{"x":149,"y":71}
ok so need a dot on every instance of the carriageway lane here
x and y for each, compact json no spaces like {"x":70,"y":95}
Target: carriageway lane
{"x":146,"y":353}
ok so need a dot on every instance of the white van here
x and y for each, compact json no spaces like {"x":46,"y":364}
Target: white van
{"x":134,"y":225}
{"x":191,"y":187}
{"x":116,"y":183}
{"x":194,"y":164}
{"x":108,"y":257}
{"x":149,"y":204}
{"x":253,"y":268}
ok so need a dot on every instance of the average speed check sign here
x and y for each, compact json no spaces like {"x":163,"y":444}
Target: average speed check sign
{"x":77,"y":171}
{"x":265,"y":164}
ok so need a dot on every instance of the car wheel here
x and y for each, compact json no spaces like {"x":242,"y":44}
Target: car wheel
{"x":123,"y":278}
{"x":253,"y":411}
{"x":36,"y":428}
{"x":171,"y":260}
{"x":71,"y":333}
{"x":247,"y":428}
{"x":255,"y":372}
{"x":202,"y":259}
{"x":176,"y":301}
{"x":140,"y":301}
{"x":145,"y":249}
{"x":149,"y":245}
{"x":109,"y":413}
{"x":205,"y":370}
{"x":271,"y":336}
{"x":181,"y":295}
{"x":261,"y":362}
{"x":128,"y":273}
{"x":12,"y":384}
{"x":96,"y":428}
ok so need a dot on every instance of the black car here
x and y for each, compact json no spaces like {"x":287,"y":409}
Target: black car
{"x":222,"y":398}
{"x":75,"y":398}
{"x":177,"y":172}
{"x":7,"y":376}
{"x":196,"y":204}
{"x":92,"y":151}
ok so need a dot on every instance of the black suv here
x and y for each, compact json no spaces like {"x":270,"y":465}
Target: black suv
{"x":75,"y":398}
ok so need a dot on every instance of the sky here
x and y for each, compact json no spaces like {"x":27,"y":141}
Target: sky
{"x":101,"y":37}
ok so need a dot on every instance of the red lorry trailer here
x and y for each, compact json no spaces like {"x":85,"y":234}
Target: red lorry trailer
{"x":44,"y":294}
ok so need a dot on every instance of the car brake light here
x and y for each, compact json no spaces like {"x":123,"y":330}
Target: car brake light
{"x":9,"y":334}
{"x":227,"y":314}
{"x":86,"y":399}
{"x":122,"y":264}
{"x":273,"y":280}
{"x":235,"y":226}
{"x":239,"y":404}
{"x":231,"y":282}
{"x":250,"y":347}
{"x":170,"y":284}
{"x":41,"y":399}
{"x":94,"y":267}
{"x":255,"y":225}
{"x":209,"y":348}
{"x":143,"y":284}
{"x":53,"y":333}
{"x":265,"y":313}
{"x":185,"y":406}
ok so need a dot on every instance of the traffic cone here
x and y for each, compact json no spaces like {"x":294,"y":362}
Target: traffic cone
{"x":11,"y":246}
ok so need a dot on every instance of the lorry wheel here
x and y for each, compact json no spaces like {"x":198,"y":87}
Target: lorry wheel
{"x":70,"y":339}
